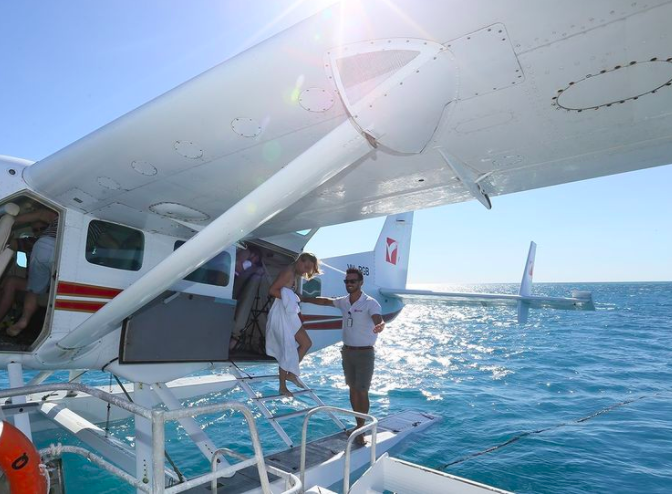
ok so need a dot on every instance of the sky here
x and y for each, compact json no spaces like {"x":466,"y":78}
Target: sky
{"x":67,"y":68}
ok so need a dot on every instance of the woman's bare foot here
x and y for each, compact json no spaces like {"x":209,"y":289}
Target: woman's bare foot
{"x":360,"y":440}
{"x":293,"y":378}
{"x":285,"y":392}
{"x":16,"y":328}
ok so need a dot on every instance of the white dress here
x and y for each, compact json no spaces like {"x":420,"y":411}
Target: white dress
{"x":282,"y":324}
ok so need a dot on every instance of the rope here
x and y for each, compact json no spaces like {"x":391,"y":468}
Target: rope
{"x":539,"y":431}
{"x":241,"y":370}
{"x":109,"y":408}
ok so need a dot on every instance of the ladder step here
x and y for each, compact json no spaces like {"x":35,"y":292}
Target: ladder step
{"x":268,"y":377}
{"x":278,"y":397}
{"x":298,"y":413}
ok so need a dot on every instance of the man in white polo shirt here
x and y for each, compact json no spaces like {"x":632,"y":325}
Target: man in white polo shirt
{"x":362,"y":321}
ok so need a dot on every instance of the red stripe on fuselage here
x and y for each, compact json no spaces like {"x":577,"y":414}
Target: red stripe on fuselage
{"x":81,"y":290}
{"x":337,"y":324}
{"x":79,"y":305}
{"x":319,"y":317}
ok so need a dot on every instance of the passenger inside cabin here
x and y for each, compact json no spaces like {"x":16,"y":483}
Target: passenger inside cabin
{"x":248,"y":266}
{"x":14,"y":283}
{"x":40,"y":266}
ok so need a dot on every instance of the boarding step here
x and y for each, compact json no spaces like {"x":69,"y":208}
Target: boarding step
{"x":245,"y":382}
{"x":260,"y":378}
{"x":297,"y":413}
{"x":325,"y":457}
{"x":281,"y":397}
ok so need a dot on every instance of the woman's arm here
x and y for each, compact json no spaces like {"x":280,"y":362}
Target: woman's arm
{"x":283,"y":279}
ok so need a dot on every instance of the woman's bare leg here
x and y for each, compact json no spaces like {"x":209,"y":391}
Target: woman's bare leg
{"x":283,"y":382}
{"x":304,"y":342}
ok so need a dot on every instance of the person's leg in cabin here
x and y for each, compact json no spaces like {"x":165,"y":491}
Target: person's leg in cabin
{"x":29,"y":308}
{"x":39,"y":278}
{"x":8,"y":290}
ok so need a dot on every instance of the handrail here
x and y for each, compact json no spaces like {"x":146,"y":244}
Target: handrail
{"x":57,"y":450}
{"x":158,"y":419}
{"x":46,"y":388}
{"x":373,"y":426}
{"x":287,"y":476}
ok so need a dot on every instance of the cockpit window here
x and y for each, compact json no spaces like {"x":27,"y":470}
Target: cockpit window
{"x":214,"y":272}
{"x":114,"y":246}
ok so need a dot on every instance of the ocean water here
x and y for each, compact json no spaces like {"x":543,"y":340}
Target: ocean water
{"x":571,"y":402}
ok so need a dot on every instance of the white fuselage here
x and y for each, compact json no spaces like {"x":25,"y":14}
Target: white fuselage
{"x":80,"y":288}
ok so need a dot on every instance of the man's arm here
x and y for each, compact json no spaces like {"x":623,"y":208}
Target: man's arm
{"x":318,"y":301}
{"x":44,"y":215}
{"x":379,"y":323}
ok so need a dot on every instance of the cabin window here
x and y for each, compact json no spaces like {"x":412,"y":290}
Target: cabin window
{"x":312,"y":288}
{"x":114,"y":246}
{"x":214,"y":272}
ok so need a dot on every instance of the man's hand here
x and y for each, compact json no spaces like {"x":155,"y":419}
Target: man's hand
{"x":379,"y":327}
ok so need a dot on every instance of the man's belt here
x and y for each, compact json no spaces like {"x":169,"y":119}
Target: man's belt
{"x":348,"y":347}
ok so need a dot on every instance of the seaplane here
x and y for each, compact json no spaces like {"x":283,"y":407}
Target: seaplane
{"x":396,"y":106}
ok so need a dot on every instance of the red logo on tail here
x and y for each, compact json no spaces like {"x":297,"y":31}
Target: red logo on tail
{"x":391,"y":251}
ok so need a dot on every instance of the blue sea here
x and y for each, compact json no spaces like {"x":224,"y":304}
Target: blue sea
{"x":571,"y":402}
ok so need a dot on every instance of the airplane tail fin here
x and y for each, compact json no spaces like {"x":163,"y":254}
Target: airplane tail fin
{"x":392,"y":251}
{"x":526,"y":284}
{"x":387,"y":265}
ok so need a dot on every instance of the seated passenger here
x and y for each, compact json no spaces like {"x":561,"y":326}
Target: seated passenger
{"x":12,"y":284}
{"x":248,"y":265}
{"x":39,"y":269}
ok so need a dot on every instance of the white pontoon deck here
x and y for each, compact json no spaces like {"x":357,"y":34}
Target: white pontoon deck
{"x":315,"y":465}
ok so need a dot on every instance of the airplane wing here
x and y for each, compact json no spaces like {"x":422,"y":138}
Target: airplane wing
{"x":524,"y":300}
{"x":531,"y":94}
{"x":579,"y":300}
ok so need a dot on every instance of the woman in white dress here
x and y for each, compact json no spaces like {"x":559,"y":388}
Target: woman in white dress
{"x":284,"y":329}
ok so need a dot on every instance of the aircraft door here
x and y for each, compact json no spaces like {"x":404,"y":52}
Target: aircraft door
{"x":29,"y":234}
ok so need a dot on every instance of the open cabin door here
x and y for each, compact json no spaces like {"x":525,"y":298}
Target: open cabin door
{"x":30,"y":239}
{"x":192,"y":322}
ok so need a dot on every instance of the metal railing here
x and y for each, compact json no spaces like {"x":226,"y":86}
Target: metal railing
{"x":292,"y":482}
{"x":373,"y":427}
{"x":158,"y":419}
{"x":55,"y":451}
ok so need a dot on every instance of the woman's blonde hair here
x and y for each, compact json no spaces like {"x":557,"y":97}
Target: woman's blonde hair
{"x":307,"y":256}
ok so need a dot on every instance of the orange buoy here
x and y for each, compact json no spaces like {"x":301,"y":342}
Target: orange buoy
{"x":20,"y":461}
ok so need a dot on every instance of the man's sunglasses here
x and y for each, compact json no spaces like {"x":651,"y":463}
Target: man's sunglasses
{"x":349,"y":282}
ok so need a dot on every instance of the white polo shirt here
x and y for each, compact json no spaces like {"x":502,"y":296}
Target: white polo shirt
{"x":361,"y":332}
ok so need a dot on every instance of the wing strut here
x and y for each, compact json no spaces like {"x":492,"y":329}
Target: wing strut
{"x":329,"y":156}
